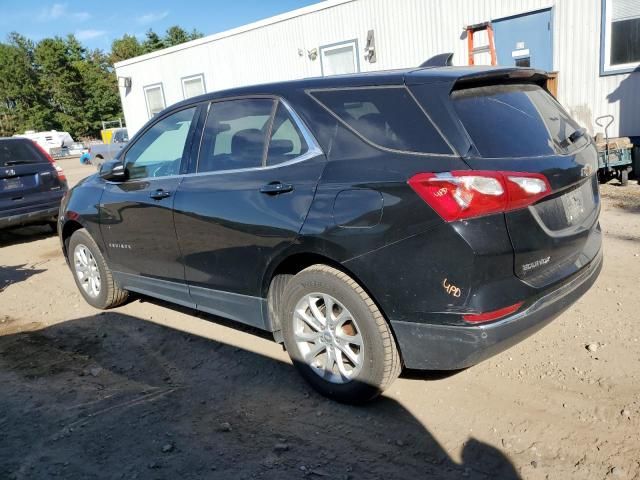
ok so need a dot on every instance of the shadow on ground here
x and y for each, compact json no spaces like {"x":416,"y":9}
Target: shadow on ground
{"x":10,"y":274}
{"x":112,"y":396}
{"x":13,"y":236}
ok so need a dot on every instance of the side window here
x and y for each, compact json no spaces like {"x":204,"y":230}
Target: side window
{"x":235,"y":135}
{"x":287,"y":142}
{"x":388,"y":117}
{"x":158,"y":152}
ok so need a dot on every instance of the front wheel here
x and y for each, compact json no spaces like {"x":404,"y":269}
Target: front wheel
{"x":93,"y":276}
{"x":336,"y":336}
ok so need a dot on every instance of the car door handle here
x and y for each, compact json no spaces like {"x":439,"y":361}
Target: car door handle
{"x":276,"y":188}
{"x":159,"y":194}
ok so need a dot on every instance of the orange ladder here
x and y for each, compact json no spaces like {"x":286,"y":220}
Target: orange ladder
{"x":491,"y":48}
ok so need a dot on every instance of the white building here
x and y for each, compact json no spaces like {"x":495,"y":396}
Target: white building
{"x":594,"y":45}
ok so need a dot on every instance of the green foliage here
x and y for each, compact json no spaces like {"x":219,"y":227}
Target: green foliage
{"x":126,"y":47}
{"x":152,"y":42}
{"x":59,"y":84}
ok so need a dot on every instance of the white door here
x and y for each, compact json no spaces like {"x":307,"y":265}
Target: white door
{"x":340,"y":58}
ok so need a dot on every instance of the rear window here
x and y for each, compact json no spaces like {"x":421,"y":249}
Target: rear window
{"x":515,"y":121}
{"x":18,"y":152}
{"x":387,"y":117}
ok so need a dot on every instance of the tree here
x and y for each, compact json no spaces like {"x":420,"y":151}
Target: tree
{"x":153,"y":42}
{"x":175,"y":36}
{"x":102,"y":99}
{"x":195,"y":34}
{"x":22,"y":104}
{"x":124,"y":48}
{"x":62,"y":82}
{"x":59,"y":84}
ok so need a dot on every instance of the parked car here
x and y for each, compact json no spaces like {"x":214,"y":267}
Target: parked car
{"x":31,"y":184}
{"x":103,"y":152}
{"x":422,"y":219}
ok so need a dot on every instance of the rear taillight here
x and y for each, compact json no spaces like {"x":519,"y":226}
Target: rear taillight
{"x":471,"y":193}
{"x":57,"y":167}
{"x":490,"y":316}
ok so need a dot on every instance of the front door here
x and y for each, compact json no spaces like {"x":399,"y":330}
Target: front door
{"x":246,"y":203}
{"x":136,"y":215}
{"x":525,"y":40}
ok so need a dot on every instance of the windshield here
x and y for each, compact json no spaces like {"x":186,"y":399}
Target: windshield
{"x":516,"y":121}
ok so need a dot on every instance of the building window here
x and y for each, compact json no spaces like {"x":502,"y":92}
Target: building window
{"x":193,"y":86}
{"x":620,"y":46}
{"x":154,"y":96}
{"x":339,"y":58}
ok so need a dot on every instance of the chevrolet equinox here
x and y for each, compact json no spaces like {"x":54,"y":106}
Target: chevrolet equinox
{"x":423,"y":219}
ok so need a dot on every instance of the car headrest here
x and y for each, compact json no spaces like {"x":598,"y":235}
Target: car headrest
{"x":247,"y":144}
{"x":280,"y":147}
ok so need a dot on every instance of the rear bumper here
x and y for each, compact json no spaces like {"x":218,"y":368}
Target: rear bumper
{"x":444,"y":347}
{"x":36,"y":215}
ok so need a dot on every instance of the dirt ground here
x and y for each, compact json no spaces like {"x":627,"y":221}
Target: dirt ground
{"x":149,"y":390}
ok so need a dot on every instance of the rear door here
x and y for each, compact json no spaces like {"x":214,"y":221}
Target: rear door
{"x":521,"y":128}
{"x":256,"y":176}
{"x":27,"y":177}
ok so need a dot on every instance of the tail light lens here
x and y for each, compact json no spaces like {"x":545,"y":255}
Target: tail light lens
{"x":59,"y":170}
{"x":490,"y":316}
{"x":459,"y":195}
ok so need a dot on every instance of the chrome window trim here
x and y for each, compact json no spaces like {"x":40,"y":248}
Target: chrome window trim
{"x":310,"y":92}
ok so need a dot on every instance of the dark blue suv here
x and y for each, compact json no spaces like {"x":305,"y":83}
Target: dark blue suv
{"x":425,"y":218}
{"x":31,"y":184}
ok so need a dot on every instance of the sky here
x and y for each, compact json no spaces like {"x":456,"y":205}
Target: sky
{"x":97,"y":24}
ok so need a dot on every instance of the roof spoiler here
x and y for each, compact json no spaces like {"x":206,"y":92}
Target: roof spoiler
{"x":497,"y":75}
{"x":440,"y":60}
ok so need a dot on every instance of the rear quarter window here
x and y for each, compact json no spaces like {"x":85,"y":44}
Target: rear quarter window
{"x":387,"y":117}
{"x":515,"y":121}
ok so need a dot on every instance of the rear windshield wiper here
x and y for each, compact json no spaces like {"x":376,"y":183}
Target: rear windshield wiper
{"x":10,"y":163}
{"x":574,"y":137}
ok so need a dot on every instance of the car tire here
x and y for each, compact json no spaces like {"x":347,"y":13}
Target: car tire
{"x":358,"y":342}
{"x":90,"y":270}
{"x":53,"y":226}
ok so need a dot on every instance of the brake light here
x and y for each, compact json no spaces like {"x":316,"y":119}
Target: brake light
{"x":59,"y":170}
{"x":494,"y":315}
{"x":472,"y":193}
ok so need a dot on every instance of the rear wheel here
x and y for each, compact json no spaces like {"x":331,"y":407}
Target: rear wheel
{"x":336,"y":336}
{"x":91,"y":273}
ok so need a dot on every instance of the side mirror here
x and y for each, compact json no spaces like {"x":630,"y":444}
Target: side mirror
{"x":113,"y":171}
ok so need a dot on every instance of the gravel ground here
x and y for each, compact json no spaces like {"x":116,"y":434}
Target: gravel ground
{"x":153,"y":391}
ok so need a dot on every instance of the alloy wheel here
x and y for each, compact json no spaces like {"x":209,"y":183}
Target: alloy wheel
{"x":87,"y":271}
{"x":328,"y":338}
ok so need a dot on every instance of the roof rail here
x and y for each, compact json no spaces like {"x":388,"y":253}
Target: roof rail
{"x":440,"y":60}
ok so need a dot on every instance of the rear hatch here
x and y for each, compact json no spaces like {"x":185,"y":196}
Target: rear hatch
{"x":27,"y":176}
{"x":520,"y":127}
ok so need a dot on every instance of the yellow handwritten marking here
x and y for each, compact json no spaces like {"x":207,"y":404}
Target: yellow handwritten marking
{"x":451,"y":289}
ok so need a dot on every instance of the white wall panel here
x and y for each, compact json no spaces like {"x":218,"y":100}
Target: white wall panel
{"x":407,"y":32}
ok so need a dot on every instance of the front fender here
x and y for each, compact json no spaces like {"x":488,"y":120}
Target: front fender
{"x":80,"y":208}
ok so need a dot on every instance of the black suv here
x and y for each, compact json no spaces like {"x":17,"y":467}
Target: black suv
{"x":425,"y":219}
{"x":31,"y":184}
